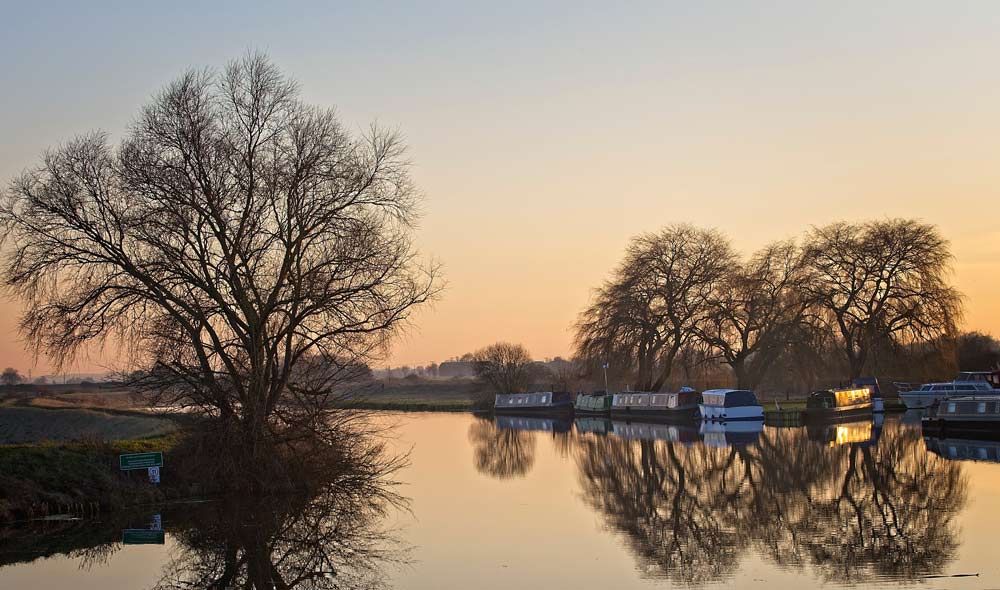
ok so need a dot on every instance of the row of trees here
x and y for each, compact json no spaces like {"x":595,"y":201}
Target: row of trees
{"x":682,"y":295}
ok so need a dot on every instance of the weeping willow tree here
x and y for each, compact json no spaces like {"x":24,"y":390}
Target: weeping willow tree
{"x":242,"y":249}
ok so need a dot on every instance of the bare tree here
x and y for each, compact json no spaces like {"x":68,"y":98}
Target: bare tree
{"x":655,"y":300}
{"x":755,"y":311}
{"x":504,"y":367}
{"x":882,"y":282}
{"x":10,"y":377}
{"x":232,"y":234}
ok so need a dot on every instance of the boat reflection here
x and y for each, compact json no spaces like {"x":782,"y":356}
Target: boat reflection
{"x":683,"y":433}
{"x":539,"y":423}
{"x":592,"y":425}
{"x":964,"y":449}
{"x":728,"y":434}
{"x":858,"y":432}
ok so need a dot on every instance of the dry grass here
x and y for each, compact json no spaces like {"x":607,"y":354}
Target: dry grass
{"x":20,"y":425}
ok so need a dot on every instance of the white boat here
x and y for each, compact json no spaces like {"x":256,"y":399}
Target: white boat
{"x":730,"y":404}
{"x":967,"y":383}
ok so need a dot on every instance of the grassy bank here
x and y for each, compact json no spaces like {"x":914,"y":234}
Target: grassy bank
{"x":457,"y":395}
{"x":38,"y":480}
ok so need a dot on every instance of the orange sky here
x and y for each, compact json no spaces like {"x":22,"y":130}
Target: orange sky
{"x":544,"y":139}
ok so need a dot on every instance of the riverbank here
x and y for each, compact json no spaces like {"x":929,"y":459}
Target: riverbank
{"x":45,"y":479}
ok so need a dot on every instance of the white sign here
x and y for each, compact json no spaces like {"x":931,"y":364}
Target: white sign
{"x":154,"y":475}
{"x":157,"y":524}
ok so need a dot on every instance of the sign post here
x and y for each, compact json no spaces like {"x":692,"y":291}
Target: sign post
{"x":140,"y":461}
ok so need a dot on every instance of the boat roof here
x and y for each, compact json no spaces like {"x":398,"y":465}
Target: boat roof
{"x":726,"y":391}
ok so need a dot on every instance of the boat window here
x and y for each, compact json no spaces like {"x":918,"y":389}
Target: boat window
{"x":545,"y":399}
{"x":982,"y":408}
{"x":925,"y":388}
{"x":951,"y":408}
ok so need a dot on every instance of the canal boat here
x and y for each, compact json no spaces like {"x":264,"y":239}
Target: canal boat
{"x":730,"y":404}
{"x":731,"y":434}
{"x":968,"y":383}
{"x":593,"y":403}
{"x":680,"y":405}
{"x":542,"y":402}
{"x":838,"y":404}
{"x":878,"y":402}
{"x":973,"y":414}
{"x":631,"y":430}
{"x":534,"y":423}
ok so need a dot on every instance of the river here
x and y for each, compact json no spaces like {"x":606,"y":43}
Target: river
{"x":533,"y":503}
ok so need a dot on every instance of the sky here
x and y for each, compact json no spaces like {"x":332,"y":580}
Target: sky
{"x":545,"y":135}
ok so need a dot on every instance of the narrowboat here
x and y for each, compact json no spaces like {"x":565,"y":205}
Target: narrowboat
{"x":534,"y":423}
{"x":968,"y":383}
{"x":878,"y":403}
{"x":974,"y":414}
{"x":834,"y":404}
{"x":730,"y":404}
{"x":551,"y":402}
{"x":731,"y":434}
{"x":593,"y":403}
{"x":680,"y":405}
{"x":630,"y":430}
{"x":859,"y":432}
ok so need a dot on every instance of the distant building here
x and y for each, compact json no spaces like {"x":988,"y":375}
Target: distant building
{"x":449,"y":369}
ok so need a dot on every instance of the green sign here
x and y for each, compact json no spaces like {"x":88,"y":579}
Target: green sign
{"x":142,"y":537}
{"x":140,"y":460}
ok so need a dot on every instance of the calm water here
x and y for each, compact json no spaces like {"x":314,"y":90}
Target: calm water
{"x":543,"y":504}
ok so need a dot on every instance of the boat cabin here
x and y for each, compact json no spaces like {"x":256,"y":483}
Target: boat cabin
{"x":597,"y":402}
{"x":685,"y":399}
{"x":544,"y":400}
{"x":730,"y":404}
{"x":840,"y":399}
{"x":968,"y":387}
{"x":729,"y":398}
{"x":992,"y":378}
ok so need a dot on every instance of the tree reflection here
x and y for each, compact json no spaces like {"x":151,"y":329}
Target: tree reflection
{"x":503,"y":453}
{"x":852,"y":513}
{"x":330,"y":541}
{"x":655,"y":494}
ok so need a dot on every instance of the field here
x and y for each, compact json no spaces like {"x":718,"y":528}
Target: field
{"x":20,"y":425}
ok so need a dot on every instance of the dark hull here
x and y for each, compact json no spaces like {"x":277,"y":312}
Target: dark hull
{"x":832,"y":415}
{"x":556,"y":409}
{"x":684,"y":414}
{"x":984,"y":429}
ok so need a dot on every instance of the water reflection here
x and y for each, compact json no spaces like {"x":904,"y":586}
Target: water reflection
{"x":331,"y":540}
{"x":964,"y":449}
{"x":852,"y":502}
